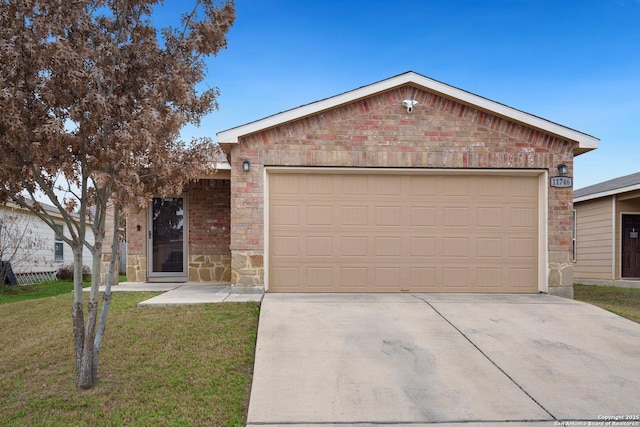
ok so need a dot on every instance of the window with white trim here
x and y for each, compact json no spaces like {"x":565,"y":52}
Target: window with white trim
{"x":574,"y":248}
{"x":59,"y":244}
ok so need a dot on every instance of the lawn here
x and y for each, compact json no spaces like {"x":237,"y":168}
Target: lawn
{"x":40,"y":290}
{"x":624,"y":302}
{"x":164,"y":366}
{"x":9,"y":294}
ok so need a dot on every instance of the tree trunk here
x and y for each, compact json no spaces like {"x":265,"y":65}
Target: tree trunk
{"x":77,"y":317}
{"x":85,"y":375}
{"x":112,"y":277}
{"x":77,"y":313}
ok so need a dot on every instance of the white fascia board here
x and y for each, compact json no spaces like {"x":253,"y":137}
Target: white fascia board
{"x":585,"y":141}
{"x":606,"y":193}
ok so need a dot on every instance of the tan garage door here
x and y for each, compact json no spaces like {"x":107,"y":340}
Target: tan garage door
{"x":380,"y":232}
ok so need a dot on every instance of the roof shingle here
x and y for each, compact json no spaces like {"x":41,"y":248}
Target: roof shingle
{"x":621,"y":183}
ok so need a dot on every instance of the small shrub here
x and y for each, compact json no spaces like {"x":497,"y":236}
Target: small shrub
{"x":66,"y":272}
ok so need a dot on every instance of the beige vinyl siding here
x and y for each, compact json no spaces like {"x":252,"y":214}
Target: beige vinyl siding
{"x":594,"y":239}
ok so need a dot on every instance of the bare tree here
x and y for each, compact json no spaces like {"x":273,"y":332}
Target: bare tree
{"x":92,"y":100}
{"x":19,"y":244}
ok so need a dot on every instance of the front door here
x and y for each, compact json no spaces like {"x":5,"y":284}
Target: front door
{"x":167,"y":244}
{"x":630,"y":246}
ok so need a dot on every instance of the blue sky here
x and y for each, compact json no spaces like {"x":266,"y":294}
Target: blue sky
{"x":576,"y":62}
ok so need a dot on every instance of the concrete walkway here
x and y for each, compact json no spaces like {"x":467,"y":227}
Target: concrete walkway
{"x":190,"y":293}
{"x":444,"y":360}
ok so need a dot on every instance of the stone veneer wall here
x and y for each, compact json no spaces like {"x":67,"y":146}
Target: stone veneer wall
{"x":210,"y":268}
{"x":247,"y":268}
{"x":378,"y":132}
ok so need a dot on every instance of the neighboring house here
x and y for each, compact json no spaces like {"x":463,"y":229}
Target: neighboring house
{"x":407,"y":184}
{"x":607,"y":224}
{"x":40,"y":253}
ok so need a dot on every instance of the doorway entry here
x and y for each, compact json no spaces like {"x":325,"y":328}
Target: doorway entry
{"x":630,"y":246}
{"x":167,"y":240}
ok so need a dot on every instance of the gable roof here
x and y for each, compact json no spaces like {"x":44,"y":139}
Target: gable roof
{"x":608,"y":188}
{"x":584,"y":141}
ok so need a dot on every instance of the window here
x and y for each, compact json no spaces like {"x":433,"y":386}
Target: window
{"x":573,"y":241}
{"x":59,"y":245}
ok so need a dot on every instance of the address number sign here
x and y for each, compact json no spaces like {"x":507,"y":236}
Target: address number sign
{"x":561,"y":181}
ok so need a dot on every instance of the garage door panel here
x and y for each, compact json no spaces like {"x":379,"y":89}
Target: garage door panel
{"x":285,"y":185}
{"x":455,"y":278}
{"x":491,"y":277}
{"x":522,"y":278}
{"x":523,"y":188}
{"x":319,"y":184}
{"x":388,"y":185}
{"x":354,"y":246}
{"x":455,"y":186}
{"x":456,"y":217}
{"x":522,"y":248}
{"x":320,"y":215}
{"x":522,"y":217}
{"x":320,"y":246}
{"x":402,"y":232}
{"x":423,"y":279}
{"x":488,"y":187}
{"x":285,"y":246}
{"x":489,"y":217}
{"x":355,"y":185}
{"x":286,"y":215}
{"x":286,"y":277}
{"x":320,"y":277}
{"x":492,"y":247}
{"x":353,"y":277}
{"x":455,"y":247}
{"x":422,"y":247}
{"x":387,"y":279}
{"x":354,"y":215}
{"x":418,"y":186}
{"x":423,"y":216}
{"x":388,"y":216}
{"x":388,"y":246}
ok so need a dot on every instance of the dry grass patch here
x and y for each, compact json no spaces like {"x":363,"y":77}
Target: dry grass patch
{"x":624,"y":302}
{"x":164,"y":366}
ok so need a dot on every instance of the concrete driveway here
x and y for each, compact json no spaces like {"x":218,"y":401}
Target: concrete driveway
{"x":442,"y":359}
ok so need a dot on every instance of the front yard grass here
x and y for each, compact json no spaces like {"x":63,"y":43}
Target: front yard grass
{"x":161,"y":366}
{"x":624,"y":302}
{"x":9,"y":294}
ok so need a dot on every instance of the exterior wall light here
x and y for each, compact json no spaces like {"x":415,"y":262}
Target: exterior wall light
{"x":246,"y":166}
{"x":563,"y":169}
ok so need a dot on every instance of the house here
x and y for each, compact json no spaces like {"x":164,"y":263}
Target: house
{"x":607,"y":223}
{"x":32,"y":247}
{"x":407,"y":184}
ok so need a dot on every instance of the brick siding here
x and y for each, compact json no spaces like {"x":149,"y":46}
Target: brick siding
{"x":377,"y":131}
{"x":209,"y":230}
